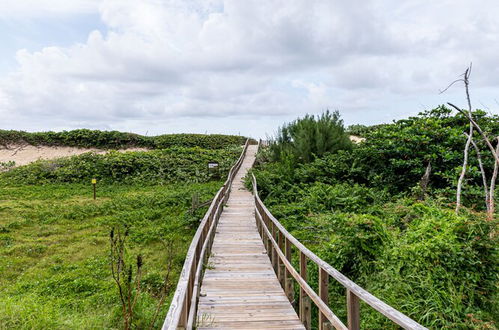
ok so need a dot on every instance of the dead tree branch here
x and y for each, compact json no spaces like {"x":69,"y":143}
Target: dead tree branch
{"x":482,"y":171}
{"x":467,"y":145}
{"x":463,"y":171}
{"x":484,"y":136}
{"x":491,"y":210}
{"x":425,"y":180}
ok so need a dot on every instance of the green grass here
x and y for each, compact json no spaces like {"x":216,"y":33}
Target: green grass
{"x":54,"y":246}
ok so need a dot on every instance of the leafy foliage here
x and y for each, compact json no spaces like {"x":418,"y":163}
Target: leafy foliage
{"x":396,"y":155}
{"x":148,"y":167}
{"x":86,"y":138}
{"x":355,"y":209}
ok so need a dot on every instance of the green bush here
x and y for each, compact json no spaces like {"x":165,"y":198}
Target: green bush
{"x":86,"y":138}
{"x":150,"y":167}
{"x":395,"y":156}
{"x":213,"y":141}
{"x":440,"y":268}
{"x":309,"y":137}
{"x":356,"y":209}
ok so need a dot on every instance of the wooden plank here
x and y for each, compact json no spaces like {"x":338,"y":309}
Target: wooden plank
{"x":240,"y":288}
{"x":178,"y":312}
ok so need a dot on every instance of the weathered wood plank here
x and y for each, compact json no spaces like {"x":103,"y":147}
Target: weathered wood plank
{"x":240,"y":288}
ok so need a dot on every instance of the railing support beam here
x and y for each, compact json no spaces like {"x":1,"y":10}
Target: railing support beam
{"x":305,"y":303}
{"x":353,"y":311}
{"x":323,"y":294}
{"x":288,"y":281}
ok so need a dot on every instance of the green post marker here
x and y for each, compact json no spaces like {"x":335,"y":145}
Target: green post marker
{"x":94,"y":183}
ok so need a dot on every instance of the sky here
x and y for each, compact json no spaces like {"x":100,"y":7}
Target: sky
{"x":239,"y":67}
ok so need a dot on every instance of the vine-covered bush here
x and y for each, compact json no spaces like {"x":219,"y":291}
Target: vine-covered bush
{"x":86,"y":138}
{"x":357,"y":210}
{"x":396,"y":155}
{"x":213,"y":141}
{"x":147,"y":167}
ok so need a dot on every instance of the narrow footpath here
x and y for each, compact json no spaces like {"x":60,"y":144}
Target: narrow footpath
{"x":240,"y":289}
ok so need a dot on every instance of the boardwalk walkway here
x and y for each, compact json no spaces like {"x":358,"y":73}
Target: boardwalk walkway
{"x":240,"y":289}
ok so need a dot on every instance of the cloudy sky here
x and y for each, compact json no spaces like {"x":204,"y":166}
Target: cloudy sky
{"x":162,"y":66}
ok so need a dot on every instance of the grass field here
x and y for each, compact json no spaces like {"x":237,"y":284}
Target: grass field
{"x":54,"y":250}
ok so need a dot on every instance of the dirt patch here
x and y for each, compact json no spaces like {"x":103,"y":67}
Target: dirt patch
{"x":26,"y":154}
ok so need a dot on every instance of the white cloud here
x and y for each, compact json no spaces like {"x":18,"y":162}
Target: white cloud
{"x":37,"y":8}
{"x":216,"y":61}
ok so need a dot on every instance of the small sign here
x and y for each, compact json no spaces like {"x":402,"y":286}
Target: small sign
{"x":94,"y":181}
{"x":212,"y":165}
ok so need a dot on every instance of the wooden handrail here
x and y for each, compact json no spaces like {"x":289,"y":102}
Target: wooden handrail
{"x":182,"y":311}
{"x":270,"y":228}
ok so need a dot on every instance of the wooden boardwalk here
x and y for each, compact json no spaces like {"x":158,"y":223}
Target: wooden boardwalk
{"x":240,"y":288}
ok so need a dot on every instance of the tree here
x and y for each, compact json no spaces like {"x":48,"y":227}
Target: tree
{"x":310,"y":137}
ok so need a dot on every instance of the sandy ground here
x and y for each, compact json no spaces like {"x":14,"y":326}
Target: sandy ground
{"x":23,"y":155}
{"x":356,"y":139}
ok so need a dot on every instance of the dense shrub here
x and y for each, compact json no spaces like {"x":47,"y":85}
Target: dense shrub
{"x":395,"y":156}
{"x":356,"y":209}
{"x":86,"y":138}
{"x":438,"y":267}
{"x":148,"y":167}
{"x":213,"y":141}
{"x":304,"y":139}
{"x":418,"y":257}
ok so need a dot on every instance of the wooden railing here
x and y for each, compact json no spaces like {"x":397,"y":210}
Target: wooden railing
{"x":183,"y":308}
{"x":279,"y":244}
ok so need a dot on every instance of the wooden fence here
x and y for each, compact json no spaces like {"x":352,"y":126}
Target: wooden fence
{"x":183,"y":308}
{"x":280,"y":244}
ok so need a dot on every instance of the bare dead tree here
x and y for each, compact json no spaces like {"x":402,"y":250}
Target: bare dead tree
{"x":489,"y":192}
{"x":491,"y":210}
{"x":482,"y":171}
{"x":468,"y":141}
{"x":425,"y":180}
{"x":463,"y":172}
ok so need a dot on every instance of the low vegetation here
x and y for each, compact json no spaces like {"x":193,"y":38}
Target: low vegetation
{"x":86,"y":138}
{"x":360,"y":209}
{"x":178,"y":164}
{"x":55,"y":250}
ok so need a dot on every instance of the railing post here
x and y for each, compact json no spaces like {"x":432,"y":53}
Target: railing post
{"x":288,"y":280}
{"x":184,"y":314}
{"x":323,"y":294}
{"x":274,"y":251}
{"x":268,"y":242}
{"x":280,"y":265}
{"x":305,"y":305}
{"x":258,"y":222}
{"x":353,"y":310}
